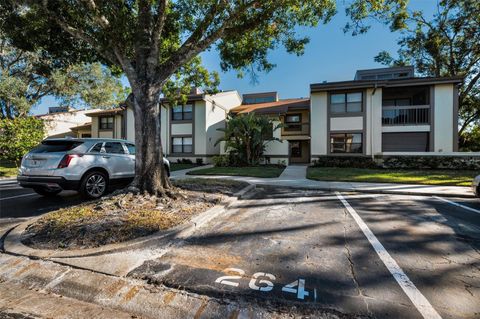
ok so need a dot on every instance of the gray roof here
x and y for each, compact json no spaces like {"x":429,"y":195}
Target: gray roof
{"x":363,"y":84}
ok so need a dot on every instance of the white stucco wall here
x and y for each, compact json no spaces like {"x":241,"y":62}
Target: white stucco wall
{"x":105,"y":134}
{"x":318,"y":125}
{"x":228,"y":100}
{"x":276,"y":147}
{"x":182,"y":129}
{"x":443,"y":118}
{"x":59,"y":124}
{"x":346,"y":123}
{"x":215,"y":119}
{"x":118,"y":126}
{"x":373,"y":138}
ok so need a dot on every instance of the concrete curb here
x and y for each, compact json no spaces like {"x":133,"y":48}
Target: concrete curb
{"x":370,"y":191}
{"x":13,"y":244}
{"x":133,"y":296}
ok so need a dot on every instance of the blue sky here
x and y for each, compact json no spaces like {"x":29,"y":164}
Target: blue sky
{"x":331,"y":56}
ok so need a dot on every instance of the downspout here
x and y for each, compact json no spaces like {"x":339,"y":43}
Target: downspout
{"x":371,"y":121}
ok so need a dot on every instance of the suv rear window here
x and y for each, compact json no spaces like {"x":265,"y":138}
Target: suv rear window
{"x":56,"y":146}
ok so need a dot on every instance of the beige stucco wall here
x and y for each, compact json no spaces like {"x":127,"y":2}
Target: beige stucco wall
{"x":443,"y":118}
{"x":200,"y":130}
{"x":182,"y":129}
{"x":118,"y":126}
{"x":346,"y":123}
{"x":95,"y":127}
{"x":318,"y":125}
{"x":105,"y":134}
{"x":227,"y":100}
{"x":130,"y":122}
{"x":373,"y":138}
{"x":164,"y":129}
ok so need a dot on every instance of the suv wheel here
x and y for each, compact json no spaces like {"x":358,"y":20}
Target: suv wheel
{"x":94,"y":185}
{"x":47,"y":192}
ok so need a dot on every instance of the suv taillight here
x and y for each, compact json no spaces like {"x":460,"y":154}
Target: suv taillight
{"x":66,"y":160}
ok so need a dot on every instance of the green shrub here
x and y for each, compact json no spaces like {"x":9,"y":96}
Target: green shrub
{"x":432,"y":162}
{"x":221,"y":160}
{"x":345,"y":161}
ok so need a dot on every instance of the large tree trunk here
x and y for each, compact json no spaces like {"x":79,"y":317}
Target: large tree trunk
{"x":150,"y":174}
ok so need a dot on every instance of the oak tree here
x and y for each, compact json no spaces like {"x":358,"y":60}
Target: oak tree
{"x":156,"y":45}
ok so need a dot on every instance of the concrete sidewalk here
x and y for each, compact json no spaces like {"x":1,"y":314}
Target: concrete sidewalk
{"x":295,"y":176}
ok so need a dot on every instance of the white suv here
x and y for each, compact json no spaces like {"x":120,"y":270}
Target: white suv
{"x":87,"y":165}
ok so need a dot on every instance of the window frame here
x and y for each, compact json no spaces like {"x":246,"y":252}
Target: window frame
{"x":100,"y":127}
{"x":182,"y":119}
{"x":182,"y":145}
{"x":362,"y":143}
{"x":345,"y":103}
{"x":293,"y":126}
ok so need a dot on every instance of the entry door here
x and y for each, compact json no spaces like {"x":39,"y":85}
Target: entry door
{"x":299,"y":152}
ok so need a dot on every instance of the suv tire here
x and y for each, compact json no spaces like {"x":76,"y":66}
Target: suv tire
{"x":94,"y":185}
{"x":47,"y":192}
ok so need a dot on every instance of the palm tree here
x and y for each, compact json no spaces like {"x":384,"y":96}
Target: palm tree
{"x":246,"y":136}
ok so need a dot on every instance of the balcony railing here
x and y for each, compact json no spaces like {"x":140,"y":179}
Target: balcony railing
{"x":406,"y":115}
{"x":295,"y":128}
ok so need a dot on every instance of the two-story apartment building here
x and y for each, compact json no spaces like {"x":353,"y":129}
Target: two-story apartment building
{"x":384,"y":111}
{"x":188,"y":131}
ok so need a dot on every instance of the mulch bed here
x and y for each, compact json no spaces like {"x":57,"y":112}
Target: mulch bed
{"x":123,"y":216}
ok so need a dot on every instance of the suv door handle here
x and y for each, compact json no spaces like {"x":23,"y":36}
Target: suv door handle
{"x":105,"y":156}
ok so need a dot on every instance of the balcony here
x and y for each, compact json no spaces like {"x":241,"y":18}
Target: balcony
{"x":406,"y":115}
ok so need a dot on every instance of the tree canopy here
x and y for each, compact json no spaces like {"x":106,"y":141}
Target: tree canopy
{"x":26,"y":77}
{"x":448,"y":44}
{"x":156,"y":45}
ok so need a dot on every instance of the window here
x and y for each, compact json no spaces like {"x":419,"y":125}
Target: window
{"x":131,"y":149}
{"x":346,"y":143}
{"x":182,"y":112}
{"x":114,"y":148}
{"x":182,"y":145}
{"x":346,"y":102}
{"x":396,"y":102}
{"x":55,"y":146}
{"x":106,"y":123}
{"x":293,"y":122}
{"x":257,"y":100}
{"x":97,"y":148}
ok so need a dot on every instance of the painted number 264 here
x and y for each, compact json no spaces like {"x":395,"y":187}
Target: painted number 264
{"x":262,"y":281}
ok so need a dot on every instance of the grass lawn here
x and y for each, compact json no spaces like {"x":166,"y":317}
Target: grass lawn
{"x":180,"y":166}
{"x":8,"y":169}
{"x":427,"y":177}
{"x":252,"y":171}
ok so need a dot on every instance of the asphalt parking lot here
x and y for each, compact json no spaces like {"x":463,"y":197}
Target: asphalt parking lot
{"x":309,"y":250}
{"x":383,"y":256}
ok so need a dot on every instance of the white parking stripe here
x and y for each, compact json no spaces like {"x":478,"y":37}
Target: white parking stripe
{"x":458,"y":205}
{"x":23,"y":195}
{"x":419,"y":300}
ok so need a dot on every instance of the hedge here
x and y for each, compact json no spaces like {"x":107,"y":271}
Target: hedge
{"x":401,"y":162}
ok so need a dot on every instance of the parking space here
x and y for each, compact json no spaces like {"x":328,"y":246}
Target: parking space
{"x":18,"y":202}
{"x":286,"y":247}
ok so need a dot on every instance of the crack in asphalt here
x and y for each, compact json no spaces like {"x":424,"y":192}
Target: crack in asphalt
{"x":352,"y":266}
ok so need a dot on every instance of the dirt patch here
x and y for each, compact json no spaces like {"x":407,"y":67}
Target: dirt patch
{"x":124,"y":216}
